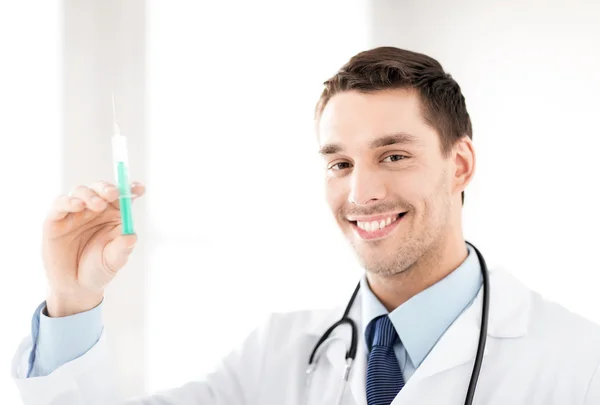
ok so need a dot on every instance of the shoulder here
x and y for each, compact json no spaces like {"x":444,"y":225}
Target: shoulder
{"x":554,"y":331}
{"x":568,"y":340}
{"x":285,"y":334}
{"x":546,"y":319}
{"x":543,"y":342}
{"x":553,"y":322}
{"x":313,"y":321}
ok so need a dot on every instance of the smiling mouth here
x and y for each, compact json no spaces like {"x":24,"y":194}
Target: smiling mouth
{"x":379,"y":224}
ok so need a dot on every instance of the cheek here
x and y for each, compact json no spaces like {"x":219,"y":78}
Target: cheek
{"x":411,"y":188}
{"x":419,"y":186}
{"x":435,"y":195}
{"x":335,"y":193}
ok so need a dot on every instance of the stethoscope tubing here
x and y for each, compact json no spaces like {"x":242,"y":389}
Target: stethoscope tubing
{"x":351,"y":352}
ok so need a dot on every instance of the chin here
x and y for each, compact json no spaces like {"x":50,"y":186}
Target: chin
{"x":376,"y":261}
{"x":382,"y":268}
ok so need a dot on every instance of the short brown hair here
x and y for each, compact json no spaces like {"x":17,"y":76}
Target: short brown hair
{"x":385,"y":68}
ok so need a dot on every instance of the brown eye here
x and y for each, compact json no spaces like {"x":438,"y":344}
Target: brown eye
{"x":394,"y":158}
{"x":339,"y":166}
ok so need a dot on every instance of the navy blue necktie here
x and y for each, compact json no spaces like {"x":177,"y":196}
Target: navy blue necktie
{"x":384,"y":377}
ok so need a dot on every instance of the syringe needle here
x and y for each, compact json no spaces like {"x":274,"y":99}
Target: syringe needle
{"x":116,"y":129}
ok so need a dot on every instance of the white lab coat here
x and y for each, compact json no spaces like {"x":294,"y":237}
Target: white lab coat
{"x":537,"y":353}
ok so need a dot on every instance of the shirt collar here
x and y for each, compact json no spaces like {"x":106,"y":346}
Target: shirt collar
{"x":424,"y":318}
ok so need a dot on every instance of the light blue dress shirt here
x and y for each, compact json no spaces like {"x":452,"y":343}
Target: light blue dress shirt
{"x":420,"y":322}
{"x":423,"y":319}
{"x":57,"y":341}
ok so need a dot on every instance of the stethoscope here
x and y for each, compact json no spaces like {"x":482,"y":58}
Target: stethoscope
{"x":351,"y":353}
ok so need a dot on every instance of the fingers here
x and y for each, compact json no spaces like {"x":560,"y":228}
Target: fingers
{"x":116,"y":253}
{"x":110,"y":192}
{"x":64,"y":205}
{"x":107,"y":191}
{"x":94,"y":197}
{"x":137,"y":189}
{"x":92,"y":200}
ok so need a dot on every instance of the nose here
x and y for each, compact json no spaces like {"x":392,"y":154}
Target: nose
{"x":367,"y":187}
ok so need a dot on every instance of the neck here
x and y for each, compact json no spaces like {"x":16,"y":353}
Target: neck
{"x":430,"y":268}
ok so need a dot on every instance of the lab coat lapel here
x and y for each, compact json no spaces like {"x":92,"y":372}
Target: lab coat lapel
{"x":358,"y":379}
{"x":508,"y":318}
{"x":335,"y":352}
{"x":456,"y":347}
{"x":355,"y":392}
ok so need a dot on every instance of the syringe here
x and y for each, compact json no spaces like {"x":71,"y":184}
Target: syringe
{"x":121,"y":168}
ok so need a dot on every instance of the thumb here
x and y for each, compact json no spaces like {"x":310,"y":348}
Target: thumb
{"x":117,"y":251}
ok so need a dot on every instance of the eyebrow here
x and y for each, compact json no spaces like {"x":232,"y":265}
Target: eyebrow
{"x":386,"y":140}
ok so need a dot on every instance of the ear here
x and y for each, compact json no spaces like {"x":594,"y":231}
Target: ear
{"x":464,"y":163}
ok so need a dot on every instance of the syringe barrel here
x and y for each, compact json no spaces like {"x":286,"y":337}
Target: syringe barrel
{"x":119,"y":147}
{"x":121,"y":167}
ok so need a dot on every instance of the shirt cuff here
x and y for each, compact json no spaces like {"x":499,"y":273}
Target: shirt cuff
{"x":57,"y":341}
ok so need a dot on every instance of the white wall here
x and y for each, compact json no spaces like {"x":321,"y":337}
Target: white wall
{"x":236,"y":212}
{"x":529,"y":72}
{"x":104,"y":51}
{"x":29,"y":164}
{"x":60,"y":61}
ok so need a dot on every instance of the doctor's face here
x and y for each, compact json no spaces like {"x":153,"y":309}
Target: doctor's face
{"x":387,"y":183}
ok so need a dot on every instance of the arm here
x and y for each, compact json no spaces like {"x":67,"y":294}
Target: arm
{"x":82,"y":252}
{"x":88,"y":379}
{"x":57,"y":341}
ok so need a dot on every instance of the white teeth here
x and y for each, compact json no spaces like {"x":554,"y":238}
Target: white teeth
{"x":375,"y":225}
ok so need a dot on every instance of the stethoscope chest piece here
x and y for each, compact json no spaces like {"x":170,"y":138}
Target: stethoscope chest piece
{"x":323,"y":386}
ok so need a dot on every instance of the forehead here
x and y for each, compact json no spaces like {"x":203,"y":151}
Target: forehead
{"x":354,"y":119}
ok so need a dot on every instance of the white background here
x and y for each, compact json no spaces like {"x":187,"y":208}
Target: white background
{"x":235,"y":217}
{"x":30,"y":153}
{"x":529,"y":72}
{"x":238,"y":225}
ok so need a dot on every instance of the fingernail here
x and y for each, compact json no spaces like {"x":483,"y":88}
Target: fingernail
{"x":96,"y":199}
{"x":130,"y":248}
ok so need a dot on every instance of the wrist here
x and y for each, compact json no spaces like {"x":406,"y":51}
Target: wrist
{"x":62,"y":305}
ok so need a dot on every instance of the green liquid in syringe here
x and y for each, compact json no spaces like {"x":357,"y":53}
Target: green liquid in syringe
{"x":125,"y":199}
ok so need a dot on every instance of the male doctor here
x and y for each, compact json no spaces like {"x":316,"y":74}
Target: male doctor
{"x":395,"y":138}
